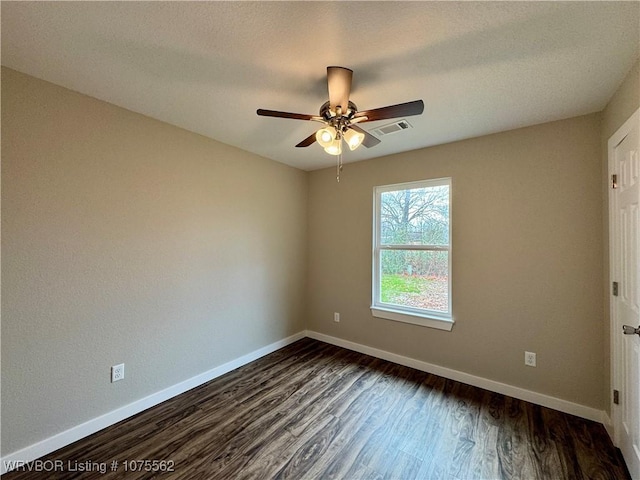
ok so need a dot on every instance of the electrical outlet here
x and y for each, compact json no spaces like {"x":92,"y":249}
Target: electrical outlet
{"x":530,"y":359}
{"x":336,"y":317}
{"x":117,"y":372}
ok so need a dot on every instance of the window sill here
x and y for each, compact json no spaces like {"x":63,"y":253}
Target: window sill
{"x":431,"y":320}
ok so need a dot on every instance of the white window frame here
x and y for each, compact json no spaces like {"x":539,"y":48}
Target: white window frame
{"x":416,"y":316}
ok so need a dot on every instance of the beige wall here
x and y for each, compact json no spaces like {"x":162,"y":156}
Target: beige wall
{"x":527,"y":257}
{"x":624,"y":102}
{"x":125,"y":239}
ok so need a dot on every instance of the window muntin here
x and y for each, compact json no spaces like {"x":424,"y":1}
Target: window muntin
{"x":412,"y":251}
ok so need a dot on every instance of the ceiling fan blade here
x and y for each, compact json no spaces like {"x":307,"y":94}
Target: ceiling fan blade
{"x":339,"y":84}
{"x":392,"y":111}
{"x":369,"y":140}
{"x":307,"y":141}
{"x":295,"y":116}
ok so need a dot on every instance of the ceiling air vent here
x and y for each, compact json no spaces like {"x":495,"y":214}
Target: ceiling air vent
{"x":392,"y":128}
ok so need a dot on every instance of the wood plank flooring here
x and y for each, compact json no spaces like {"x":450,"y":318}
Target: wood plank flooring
{"x":315,"y":411}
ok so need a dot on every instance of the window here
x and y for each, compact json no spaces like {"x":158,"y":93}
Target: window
{"x":412,"y":253}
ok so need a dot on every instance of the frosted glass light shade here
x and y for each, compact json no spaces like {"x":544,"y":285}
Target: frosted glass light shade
{"x":335,"y":148}
{"x":353,"y":138}
{"x":326,"y":136}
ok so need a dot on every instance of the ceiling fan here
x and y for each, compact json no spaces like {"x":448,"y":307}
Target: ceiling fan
{"x":341,"y":116}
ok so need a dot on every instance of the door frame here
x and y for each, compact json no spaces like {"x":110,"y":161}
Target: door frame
{"x":615,"y":336}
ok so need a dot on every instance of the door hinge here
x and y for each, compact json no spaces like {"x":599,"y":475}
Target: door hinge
{"x":616,"y":397}
{"x":614,"y":289}
{"x":614,"y":181}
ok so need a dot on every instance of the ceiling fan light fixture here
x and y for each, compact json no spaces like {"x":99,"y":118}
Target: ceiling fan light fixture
{"x":326,"y":136}
{"x":354,"y":139}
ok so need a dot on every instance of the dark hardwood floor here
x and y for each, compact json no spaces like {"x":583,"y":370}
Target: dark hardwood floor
{"x":315,"y":411}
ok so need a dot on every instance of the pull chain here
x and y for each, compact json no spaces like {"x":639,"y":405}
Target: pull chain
{"x":338,"y":167}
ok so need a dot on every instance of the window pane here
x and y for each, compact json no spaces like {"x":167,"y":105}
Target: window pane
{"x":417,"y":216}
{"x":415,"y":278}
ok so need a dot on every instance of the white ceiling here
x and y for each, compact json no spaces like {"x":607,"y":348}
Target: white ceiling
{"x":480,"y":67}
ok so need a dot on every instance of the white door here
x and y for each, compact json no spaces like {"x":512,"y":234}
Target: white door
{"x":624,"y":210}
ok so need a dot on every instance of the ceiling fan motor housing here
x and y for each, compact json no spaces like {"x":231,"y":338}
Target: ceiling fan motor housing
{"x":338,"y":120}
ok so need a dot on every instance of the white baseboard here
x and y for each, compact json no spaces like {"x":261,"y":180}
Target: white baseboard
{"x":491,"y":385}
{"x":51,"y":444}
{"x":608,"y":426}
